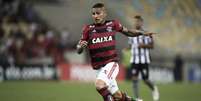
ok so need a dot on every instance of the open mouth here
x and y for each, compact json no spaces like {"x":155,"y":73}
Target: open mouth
{"x":97,"y":20}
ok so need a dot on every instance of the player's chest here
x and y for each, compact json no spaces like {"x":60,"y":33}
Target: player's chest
{"x":102,"y":39}
{"x":102,"y":34}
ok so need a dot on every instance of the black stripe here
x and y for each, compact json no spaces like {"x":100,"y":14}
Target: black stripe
{"x":99,"y":59}
{"x":102,"y":29}
{"x":103,"y":49}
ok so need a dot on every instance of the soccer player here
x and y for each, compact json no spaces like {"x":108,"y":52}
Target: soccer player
{"x":99,"y":38}
{"x":140,"y":59}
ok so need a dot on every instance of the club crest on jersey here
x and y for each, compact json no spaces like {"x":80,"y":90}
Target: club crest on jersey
{"x":109,"y":23}
{"x":109,"y":29}
{"x":102,"y":39}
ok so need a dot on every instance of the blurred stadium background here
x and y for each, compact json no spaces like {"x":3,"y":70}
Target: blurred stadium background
{"x":38,"y":61}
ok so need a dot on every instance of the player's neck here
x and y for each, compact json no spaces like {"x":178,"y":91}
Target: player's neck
{"x":99,"y":24}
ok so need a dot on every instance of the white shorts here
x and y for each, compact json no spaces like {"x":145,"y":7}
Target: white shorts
{"x":108,"y":74}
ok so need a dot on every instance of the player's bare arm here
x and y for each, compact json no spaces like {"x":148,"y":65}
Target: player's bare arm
{"x":150,"y":46}
{"x":135,"y":32}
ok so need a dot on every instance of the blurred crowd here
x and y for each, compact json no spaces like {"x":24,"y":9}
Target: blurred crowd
{"x":25,"y":36}
{"x":178,"y":25}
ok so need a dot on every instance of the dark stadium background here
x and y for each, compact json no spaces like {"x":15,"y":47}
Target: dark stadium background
{"x":38,"y":61}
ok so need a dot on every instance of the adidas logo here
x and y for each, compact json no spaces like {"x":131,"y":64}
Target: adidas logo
{"x":94,"y":31}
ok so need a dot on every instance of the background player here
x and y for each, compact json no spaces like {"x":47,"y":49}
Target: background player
{"x":99,"y":38}
{"x":140,"y":59}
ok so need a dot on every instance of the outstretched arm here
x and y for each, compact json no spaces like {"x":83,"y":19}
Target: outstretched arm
{"x":134,"y":32}
{"x":150,"y":46}
{"x":129,"y":32}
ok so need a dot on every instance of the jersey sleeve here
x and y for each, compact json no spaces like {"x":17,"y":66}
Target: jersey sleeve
{"x":118,"y":26}
{"x":85,"y":35}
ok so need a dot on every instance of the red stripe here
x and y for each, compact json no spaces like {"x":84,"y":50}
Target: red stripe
{"x":112,"y":70}
{"x":105,"y":26}
{"x":102,"y":34}
{"x":106,"y":53}
{"x":104,"y":44}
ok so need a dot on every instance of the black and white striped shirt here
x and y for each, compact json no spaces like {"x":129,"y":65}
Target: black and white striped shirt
{"x":140,"y":55}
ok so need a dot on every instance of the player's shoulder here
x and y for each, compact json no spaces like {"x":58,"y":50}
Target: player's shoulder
{"x":88,"y":27}
{"x":114,"y":21}
{"x":111,"y":22}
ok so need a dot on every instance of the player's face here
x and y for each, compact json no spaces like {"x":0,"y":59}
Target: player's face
{"x":98,"y":15}
{"x":138,"y":23}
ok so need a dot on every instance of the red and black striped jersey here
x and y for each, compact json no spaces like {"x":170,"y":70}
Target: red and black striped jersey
{"x":101,"y":42}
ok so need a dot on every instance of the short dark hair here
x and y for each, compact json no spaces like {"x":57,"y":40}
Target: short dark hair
{"x":98,"y":5}
{"x":138,"y":17}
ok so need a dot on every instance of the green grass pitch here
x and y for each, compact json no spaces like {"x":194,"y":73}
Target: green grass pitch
{"x":76,"y":91}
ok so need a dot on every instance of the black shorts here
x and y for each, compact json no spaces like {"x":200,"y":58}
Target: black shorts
{"x":140,"y":68}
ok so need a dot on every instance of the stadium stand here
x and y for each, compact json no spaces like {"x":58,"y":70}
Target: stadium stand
{"x":176,"y":22}
{"x":26,"y":37}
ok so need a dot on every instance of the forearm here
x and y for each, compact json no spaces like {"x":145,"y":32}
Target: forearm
{"x":132,"y":33}
{"x":147,"y":46}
